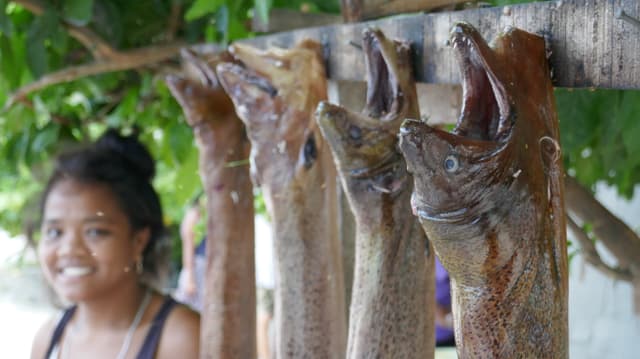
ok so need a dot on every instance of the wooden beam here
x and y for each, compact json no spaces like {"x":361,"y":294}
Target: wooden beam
{"x":589,"y":46}
{"x":288,"y":19}
{"x":358,"y":10}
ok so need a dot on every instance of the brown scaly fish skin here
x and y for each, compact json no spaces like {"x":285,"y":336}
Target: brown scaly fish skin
{"x":275,"y":94}
{"x":229,"y":311}
{"x":392,"y":304}
{"x":489,"y":197}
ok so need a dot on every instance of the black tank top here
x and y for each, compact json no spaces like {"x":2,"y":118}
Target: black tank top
{"x":150,"y":344}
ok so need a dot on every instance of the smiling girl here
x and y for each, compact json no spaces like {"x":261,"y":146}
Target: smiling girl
{"x":101,"y":225}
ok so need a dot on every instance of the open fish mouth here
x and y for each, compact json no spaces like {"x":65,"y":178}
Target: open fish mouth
{"x":237,"y":74}
{"x":384,"y":96}
{"x":365,"y":143}
{"x":197,"y":69}
{"x":486,"y":112}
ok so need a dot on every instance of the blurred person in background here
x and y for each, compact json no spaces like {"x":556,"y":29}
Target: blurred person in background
{"x":190,"y":289}
{"x":101,"y":231}
{"x":265,"y":284}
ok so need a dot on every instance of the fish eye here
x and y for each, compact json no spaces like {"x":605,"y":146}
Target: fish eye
{"x":355,"y":133}
{"x":451,"y":163}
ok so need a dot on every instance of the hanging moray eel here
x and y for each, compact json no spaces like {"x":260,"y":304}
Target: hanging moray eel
{"x":392,"y":304}
{"x":229,"y":309}
{"x":489,"y":197}
{"x":275,"y":95}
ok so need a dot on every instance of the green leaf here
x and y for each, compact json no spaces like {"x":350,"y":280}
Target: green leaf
{"x":222,"y":21}
{"x":43,"y":26}
{"x":40,"y":29}
{"x":59,"y":39}
{"x":42,"y":113}
{"x":236,"y":30}
{"x":5,"y":22}
{"x":21,"y":69}
{"x":37,"y":58}
{"x":77,"y":12}
{"x":180,"y":141}
{"x":22,"y":146}
{"x":45,"y":138}
{"x":107,"y":21}
{"x":10,"y":150}
{"x":187,"y":178}
{"x":630,"y":108}
{"x":8,"y":66}
{"x":125,"y":109}
{"x":262,"y":8}
{"x":201,"y":8}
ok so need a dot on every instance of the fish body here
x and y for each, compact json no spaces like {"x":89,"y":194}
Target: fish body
{"x":229,"y":309}
{"x":275,"y":93}
{"x":391,"y":314}
{"x":489,"y":196}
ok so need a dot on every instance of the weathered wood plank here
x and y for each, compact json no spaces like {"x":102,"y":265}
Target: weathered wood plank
{"x":358,"y":10}
{"x":589,"y":46}
{"x":288,"y":19}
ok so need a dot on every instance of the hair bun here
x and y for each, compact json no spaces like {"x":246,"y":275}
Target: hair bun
{"x":130,"y":149}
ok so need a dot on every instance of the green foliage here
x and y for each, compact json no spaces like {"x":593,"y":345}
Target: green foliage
{"x":66,"y":115}
{"x":599,"y":133}
{"x":201,"y":8}
{"x":5,"y":23}
{"x":224,"y":20}
{"x":77,"y":12}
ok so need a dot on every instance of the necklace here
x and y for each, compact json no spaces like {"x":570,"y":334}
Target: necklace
{"x":134,"y":325}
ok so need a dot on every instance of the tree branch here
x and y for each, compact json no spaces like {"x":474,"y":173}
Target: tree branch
{"x":591,"y":255}
{"x":99,"y":48}
{"x":123,"y":61}
{"x":614,"y":234}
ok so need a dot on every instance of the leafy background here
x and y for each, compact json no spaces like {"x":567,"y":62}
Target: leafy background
{"x":599,"y":128}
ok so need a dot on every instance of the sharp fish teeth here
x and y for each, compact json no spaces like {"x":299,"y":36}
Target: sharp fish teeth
{"x":76,"y":271}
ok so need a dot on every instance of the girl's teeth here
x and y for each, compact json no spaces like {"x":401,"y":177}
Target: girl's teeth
{"x":76,"y":271}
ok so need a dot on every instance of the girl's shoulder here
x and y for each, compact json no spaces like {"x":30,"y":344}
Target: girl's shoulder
{"x":181,"y":334}
{"x":43,"y":336}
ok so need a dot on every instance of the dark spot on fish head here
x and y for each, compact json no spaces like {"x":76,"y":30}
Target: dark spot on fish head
{"x":309,"y":152}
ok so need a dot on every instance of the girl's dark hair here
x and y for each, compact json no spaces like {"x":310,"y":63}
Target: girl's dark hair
{"x":125,"y":166}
